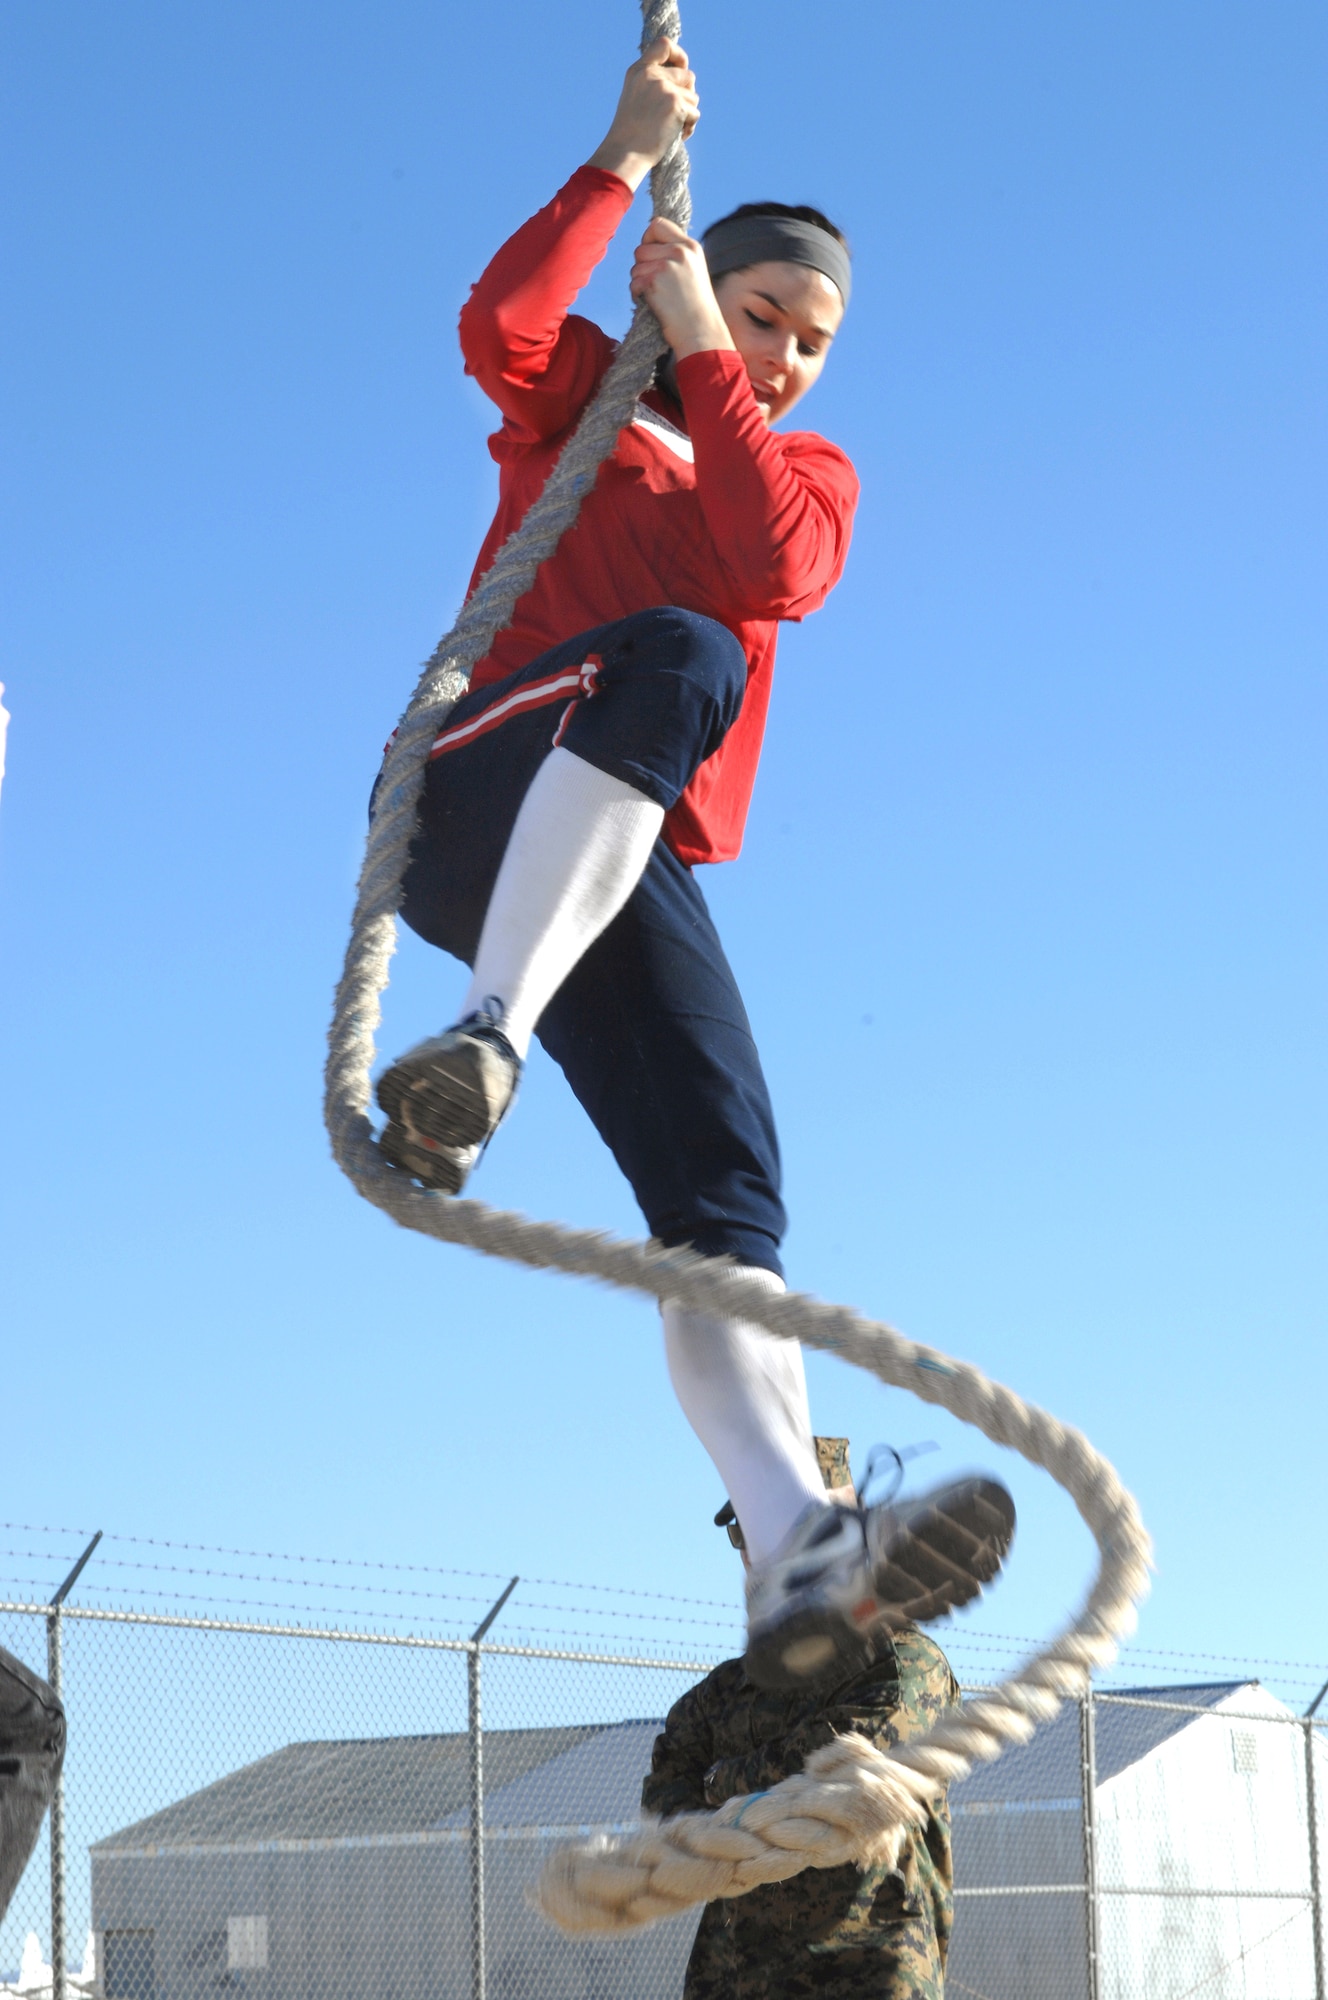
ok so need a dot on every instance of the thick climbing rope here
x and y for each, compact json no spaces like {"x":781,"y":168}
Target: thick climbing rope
{"x":853,"y":1802}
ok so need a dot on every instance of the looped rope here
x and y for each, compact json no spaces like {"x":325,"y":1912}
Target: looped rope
{"x":852,"y":1801}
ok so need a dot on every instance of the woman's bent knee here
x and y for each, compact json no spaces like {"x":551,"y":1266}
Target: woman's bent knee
{"x":669,"y":639}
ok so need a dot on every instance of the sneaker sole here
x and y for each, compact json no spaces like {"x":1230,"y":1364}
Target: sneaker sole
{"x":809,"y":1646}
{"x":945,"y":1555}
{"x":445,"y":1171}
{"x":940,"y":1561}
{"x":439,"y":1097}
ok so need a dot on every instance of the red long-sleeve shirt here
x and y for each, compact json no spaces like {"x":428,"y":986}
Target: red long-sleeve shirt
{"x":726,"y":517}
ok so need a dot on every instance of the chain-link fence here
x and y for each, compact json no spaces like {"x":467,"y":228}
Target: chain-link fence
{"x":1156,"y":1844}
{"x":293,"y":1812}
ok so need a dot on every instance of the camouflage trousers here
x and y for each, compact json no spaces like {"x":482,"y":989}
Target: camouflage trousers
{"x":902,"y":1962}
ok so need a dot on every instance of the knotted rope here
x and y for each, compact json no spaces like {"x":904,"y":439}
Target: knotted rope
{"x":853,"y":1802}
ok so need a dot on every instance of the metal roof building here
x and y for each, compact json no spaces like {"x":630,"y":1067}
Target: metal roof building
{"x":340,"y":1871}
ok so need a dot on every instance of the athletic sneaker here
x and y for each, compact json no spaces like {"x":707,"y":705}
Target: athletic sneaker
{"x":846,"y":1575}
{"x":446,"y":1098}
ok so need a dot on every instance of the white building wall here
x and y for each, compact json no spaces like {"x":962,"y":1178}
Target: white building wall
{"x":1220,"y":1807}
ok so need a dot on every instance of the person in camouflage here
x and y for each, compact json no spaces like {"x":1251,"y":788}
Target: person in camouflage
{"x":838,"y":1933}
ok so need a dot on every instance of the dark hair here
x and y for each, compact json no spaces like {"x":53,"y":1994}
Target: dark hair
{"x":799,"y":212}
{"x":664,"y":376}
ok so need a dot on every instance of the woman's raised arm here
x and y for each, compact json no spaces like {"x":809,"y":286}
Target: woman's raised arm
{"x":658,"y":105}
{"x":538,"y":362}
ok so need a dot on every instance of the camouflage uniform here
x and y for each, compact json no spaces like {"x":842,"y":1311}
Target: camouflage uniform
{"x":832,"y":1457}
{"x":838,"y":1933}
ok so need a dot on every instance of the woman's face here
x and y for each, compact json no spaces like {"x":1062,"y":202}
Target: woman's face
{"x":783,"y":318}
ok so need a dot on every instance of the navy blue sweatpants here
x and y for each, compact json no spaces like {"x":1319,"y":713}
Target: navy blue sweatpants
{"x":649,"y":1027}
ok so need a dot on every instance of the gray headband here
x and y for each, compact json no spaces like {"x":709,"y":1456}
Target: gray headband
{"x":778,"y":239}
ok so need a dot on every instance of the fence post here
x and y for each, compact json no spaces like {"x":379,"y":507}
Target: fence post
{"x":54,"y":1674}
{"x":1316,"y":1887}
{"x":58,"y":1944}
{"x":1088,"y":1785}
{"x":475,"y":1746}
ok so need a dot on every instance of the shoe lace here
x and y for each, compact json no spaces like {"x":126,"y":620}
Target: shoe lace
{"x":486,"y":1025}
{"x":900,"y":1454}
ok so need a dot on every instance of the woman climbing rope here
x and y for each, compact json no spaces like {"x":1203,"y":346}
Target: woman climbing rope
{"x":607,"y":744}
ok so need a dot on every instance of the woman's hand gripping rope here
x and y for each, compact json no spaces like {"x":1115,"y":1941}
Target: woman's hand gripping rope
{"x":658,"y":108}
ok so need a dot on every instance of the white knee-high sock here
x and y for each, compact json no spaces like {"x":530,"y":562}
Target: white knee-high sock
{"x":576,"y":852}
{"x":745,"y":1395}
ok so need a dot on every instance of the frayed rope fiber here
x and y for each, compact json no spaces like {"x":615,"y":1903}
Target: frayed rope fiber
{"x":853,"y":1802}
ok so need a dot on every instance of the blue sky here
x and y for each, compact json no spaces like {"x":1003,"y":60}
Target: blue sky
{"x":1030,"y":916}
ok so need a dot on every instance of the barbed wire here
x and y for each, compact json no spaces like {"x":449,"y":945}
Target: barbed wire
{"x":956,"y":1639}
{"x":511,"y":1635}
{"x":519,"y":1631}
{"x":1165,"y":1653}
{"x":377,"y":1589}
{"x":346,"y":1562}
{"x":304,"y":1608}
